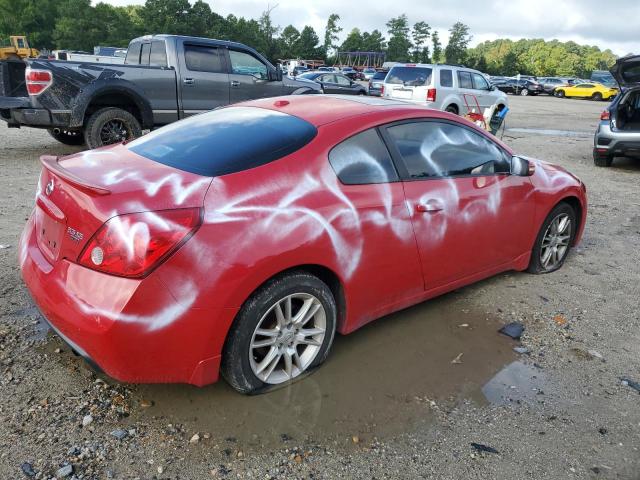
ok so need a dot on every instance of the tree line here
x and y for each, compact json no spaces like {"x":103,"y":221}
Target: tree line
{"x":78,"y":25}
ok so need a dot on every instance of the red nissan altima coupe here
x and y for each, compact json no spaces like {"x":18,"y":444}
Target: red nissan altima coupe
{"x":240,"y":240}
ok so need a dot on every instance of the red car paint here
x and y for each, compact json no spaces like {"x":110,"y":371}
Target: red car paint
{"x":389,"y":245}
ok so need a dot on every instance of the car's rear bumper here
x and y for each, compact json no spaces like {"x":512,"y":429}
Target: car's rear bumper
{"x":608,"y":142}
{"x":19,"y":111}
{"x":134,"y":330}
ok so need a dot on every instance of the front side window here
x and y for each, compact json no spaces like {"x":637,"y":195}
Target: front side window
{"x":158,"y":54}
{"x":446,"y":78}
{"x":479,"y":82}
{"x":201,"y":58}
{"x":328,"y":79}
{"x":464,"y":80}
{"x":226,"y":140}
{"x":437,"y":149}
{"x":363,"y":159}
{"x":409,"y":76}
{"x":244,"y":64}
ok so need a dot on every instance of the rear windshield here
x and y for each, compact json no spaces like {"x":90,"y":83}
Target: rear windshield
{"x":379,"y":75}
{"x":225,"y":141}
{"x":410,"y":76}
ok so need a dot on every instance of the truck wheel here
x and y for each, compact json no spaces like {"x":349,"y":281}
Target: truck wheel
{"x":110,"y":125}
{"x":68,"y":137}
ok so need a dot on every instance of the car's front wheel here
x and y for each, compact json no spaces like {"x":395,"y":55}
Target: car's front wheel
{"x":524,"y":92}
{"x":560,"y":93}
{"x":284,"y":330}
{"x":554,"y":240}
{"x":596,"y":96}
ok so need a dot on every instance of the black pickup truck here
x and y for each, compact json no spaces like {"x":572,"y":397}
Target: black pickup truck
{"x":164,"y":78}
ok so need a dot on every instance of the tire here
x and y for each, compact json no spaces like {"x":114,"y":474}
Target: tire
{"x":546,"y":235}
{"x":362,"y":92}
{"x":110,"y":125}
{"x":524,"y":92}
{"x":68,"y":137}
{"x":596,"y":96}
{"x":452,"y":109}
{"x":560,"y":94}
{"x":602,"y":160}
{"x":241,"y":361}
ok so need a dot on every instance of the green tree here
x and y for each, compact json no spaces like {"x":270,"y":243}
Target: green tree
{"x":288,"y":41}
{"x":459,"y":38}
{"x":399,"y":43}
{"x":437,"y":47}
{"x":307,"y":45}
{"x":331,"y":32}
{"x":420,"y":35}
{"x":33,"y":18}
{"x":267,"y":34}
{"x":373,"y":42}
{"x":353,"y":42}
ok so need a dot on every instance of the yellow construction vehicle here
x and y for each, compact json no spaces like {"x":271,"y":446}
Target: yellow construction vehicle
{"x":19,"y":49}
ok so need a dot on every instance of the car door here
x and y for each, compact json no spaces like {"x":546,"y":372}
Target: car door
{"x":204,"y":82}
{"x":468,"y":213}
{"x":345,"y":86}
{"x":482,"y":91}
{"x":465,"y":84}
{"x":249,"y":77}
{"x":329,"y":84}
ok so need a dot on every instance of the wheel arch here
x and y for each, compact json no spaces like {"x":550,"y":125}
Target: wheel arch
{"x":112,"y":93}
{"x":575,"y":203}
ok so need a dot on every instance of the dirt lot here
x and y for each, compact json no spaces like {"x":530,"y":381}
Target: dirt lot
{"x":389,"y":403}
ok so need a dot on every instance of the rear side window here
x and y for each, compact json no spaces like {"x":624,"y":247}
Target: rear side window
{"x":145,"y":53}
{"x":225,"y":141}
{"x":446,"y":78}
{"x":464,"y":80}
{"x":133,"y":54}
{"x":435,"y":149}
{"x":200,"y":58}
{"x":379,"y":76}
{"x":409,"y":76}
{"x":363,"y":159}
{"x":158,"y":54}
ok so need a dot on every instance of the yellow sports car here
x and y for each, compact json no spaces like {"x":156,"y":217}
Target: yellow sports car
{"x":593,"y":90}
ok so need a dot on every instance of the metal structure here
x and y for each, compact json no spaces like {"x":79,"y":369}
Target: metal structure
{"x":359,"y":59}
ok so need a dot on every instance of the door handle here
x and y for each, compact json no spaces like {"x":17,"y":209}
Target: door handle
{"x":188,"y":81}
{"x":431,"y":206}
{"x":235,"y":83}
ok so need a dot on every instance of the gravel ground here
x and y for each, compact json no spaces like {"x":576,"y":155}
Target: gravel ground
{"x":568,"y":415}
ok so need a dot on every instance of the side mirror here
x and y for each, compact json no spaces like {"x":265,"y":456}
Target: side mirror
{"x":522,"y":167}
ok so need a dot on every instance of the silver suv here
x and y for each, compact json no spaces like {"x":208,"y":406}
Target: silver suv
{"x":442,"y":87}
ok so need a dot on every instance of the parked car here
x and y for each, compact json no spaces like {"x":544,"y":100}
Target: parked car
{"x":164,"y":78}
{"x":335,"y":83}
{"x":368,"y":73}
{"x":299,"y":70}
{"x":350,"y":72}
{"x":592,"y":90}
{"x":520,"y":87}
{"x":549,"y":84}
{"x":161,"y":262}
{"x":441,"y":86}
{"x":618,"y":133}
{"x":324,"y":69}
{"x":376,"y":83}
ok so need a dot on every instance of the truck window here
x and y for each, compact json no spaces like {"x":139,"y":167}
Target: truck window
{"x":158,"y":54}
{"x":145,"y":53}
{"x":245,"y":64}
{"x":133,"y":54}
{"x":200,"y":58}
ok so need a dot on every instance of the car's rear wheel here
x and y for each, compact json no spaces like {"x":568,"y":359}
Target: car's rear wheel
{"x":596,"y":96}
{"x":111,"y":125}
{"x":602,"y":160}
{"x":284,"y":330}
{"x":452,"y":109}
{"x":554,"y":240}
{"x":68,"y":137}
{"x":524,"y":92}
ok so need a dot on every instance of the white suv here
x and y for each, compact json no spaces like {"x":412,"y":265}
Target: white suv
{"x":442,"y":87}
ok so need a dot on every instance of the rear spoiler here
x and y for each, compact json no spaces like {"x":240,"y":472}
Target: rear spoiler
{"x":50,"y":162}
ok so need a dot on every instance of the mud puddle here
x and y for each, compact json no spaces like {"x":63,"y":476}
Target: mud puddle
{"x":377,"y":381}
{"x":551,"y":132}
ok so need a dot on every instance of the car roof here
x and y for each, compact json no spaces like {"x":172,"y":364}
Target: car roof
{"x":322,"y":109}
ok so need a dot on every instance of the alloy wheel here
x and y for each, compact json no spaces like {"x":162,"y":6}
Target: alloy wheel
{"x":114,"y":131}
{"x":555,"y":243}
{"x":287,"y":338}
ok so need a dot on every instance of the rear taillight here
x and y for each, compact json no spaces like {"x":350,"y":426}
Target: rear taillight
{"x":132,"y":245}
{"x":605,"y":115}
{"x":431,"y":95}
{"x":382,"y":89}
{"x":37,"y":80}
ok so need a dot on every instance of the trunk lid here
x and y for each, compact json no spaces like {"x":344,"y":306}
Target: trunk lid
{"x":626,"y":71}
{"x":78,"y":193}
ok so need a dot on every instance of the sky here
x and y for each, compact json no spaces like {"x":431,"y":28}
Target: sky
{"x":613,"y":24}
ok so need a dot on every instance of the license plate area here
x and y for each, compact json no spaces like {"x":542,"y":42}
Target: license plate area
{"x":402,"y":93}
{"x":49,"y":232}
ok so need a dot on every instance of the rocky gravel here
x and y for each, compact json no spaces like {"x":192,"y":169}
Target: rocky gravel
{"x":569,"y":408}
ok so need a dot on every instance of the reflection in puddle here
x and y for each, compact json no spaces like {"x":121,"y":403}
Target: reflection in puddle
{"x":555,"y":133}
{"x":515,"y":383}
{"x":376,"y":381}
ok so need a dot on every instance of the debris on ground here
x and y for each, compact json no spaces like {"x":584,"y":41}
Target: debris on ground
{"x":521,"y":350}
{"x":560,"y":320}
{"x":120,"y":434}
{"x":28,"y":470}
{"x":630,"y":383}
{"x":64,"y":471}
{"x":513,"y":330}
{"x":458,"y":359}
{"x":483,"y":448}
